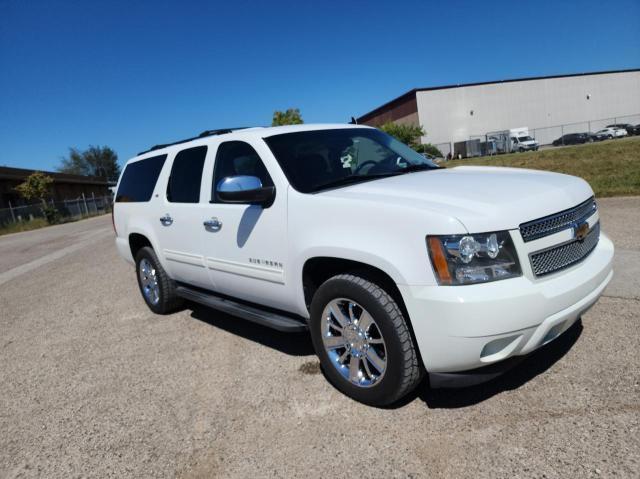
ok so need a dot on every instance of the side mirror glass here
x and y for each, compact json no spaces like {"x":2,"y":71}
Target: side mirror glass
{"x":245,"y":190}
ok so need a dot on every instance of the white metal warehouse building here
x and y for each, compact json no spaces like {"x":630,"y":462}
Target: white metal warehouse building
{"x":549,"y":106}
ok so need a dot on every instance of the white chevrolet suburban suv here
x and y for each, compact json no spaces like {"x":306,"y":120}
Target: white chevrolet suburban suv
{"x":395,"y":266}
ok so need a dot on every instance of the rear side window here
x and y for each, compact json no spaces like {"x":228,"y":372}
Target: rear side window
{"x":139,"y":179}
{"x":186,"y":175}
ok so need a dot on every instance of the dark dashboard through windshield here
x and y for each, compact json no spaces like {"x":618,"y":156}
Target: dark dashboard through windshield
{"x":321,"y":159}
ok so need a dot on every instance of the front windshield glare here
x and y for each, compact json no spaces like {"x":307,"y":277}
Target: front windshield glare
{"x":320,"y":159}
{"x":525,"y":138}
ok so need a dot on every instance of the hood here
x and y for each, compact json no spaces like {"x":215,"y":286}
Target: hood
{"x":481,"y":198}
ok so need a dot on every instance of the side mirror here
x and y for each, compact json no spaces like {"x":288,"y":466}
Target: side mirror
{"x":245,"y":190}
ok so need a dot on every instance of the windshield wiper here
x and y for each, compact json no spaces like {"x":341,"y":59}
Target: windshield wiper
{"x":347,"y":180}
{"x":417,"y":167}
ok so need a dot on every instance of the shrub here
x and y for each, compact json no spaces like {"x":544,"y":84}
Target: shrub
{"x":429,"y":149}
{"x":51,"y":214}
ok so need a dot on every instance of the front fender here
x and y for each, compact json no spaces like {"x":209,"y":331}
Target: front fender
{"x":349,"y":254}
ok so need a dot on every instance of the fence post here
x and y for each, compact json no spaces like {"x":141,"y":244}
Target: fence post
{"x":13,"y":216}
{"x":85,"y":204}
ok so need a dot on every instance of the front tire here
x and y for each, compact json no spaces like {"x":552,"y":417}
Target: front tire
{"x":156,"y":287}
{"x":363,"y":341}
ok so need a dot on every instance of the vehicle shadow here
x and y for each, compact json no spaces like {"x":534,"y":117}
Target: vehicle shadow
{"x":293,"y":344}
{"x":299,"y":344}
{"x":533,"y":365}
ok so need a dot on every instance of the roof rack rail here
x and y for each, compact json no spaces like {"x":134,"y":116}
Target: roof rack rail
{"x":204,"y":134}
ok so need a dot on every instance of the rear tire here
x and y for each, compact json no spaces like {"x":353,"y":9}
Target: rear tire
{"x":372,"y":359}
{"x":157,"y":289}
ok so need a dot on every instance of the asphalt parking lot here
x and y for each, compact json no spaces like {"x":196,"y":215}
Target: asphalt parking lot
{"x":94,"y":385}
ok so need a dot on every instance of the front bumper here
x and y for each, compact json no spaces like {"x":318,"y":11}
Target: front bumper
{"x":459,"y":328}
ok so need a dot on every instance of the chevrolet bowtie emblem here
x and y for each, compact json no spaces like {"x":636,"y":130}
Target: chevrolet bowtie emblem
{"x":581,"y":230}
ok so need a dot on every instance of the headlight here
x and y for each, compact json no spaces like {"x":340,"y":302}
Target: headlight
{"x":477,"y":258}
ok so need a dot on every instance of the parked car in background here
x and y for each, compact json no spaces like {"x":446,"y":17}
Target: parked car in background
{"x":630,"y":129}
{"x":573,"y":139}
{"x":611,"y":132}
{"x":599,"y":136}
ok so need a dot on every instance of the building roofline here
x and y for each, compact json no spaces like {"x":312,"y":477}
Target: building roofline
{"x":13,"y":173}
{"x":412,"y":92}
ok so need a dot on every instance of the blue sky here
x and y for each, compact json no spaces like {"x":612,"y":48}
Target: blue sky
{"x":131,"y":74}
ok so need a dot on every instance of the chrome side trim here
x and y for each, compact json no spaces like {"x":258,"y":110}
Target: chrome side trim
{"x":271,"y":275}
{"x":185,"y":258}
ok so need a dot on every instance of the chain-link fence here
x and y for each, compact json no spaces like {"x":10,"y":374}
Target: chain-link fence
{"x":66,"y":209}
{"x":445,"y":149}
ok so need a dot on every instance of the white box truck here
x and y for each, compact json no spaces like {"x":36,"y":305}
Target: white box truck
{"x":513,"y":140}
{"x":521,"y":140}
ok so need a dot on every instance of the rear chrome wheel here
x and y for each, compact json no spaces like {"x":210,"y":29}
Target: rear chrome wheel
{"x":149,"y":281}
{"x":157,"y":288}
{"x":354,"y":343}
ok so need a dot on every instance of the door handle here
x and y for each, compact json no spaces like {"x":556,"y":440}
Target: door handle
{"x":212,"y":224}
{"x":166,"y":220}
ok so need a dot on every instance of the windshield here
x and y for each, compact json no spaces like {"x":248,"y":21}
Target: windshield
{"x":524,"y":138}
{"x":320,"y":159}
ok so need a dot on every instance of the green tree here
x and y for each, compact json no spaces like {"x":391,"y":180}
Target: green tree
{"x":35,"y":187}
{"x":429,"y":149}
{"x":409,"y":134}
{"x":100,"y":161}
{"x":290,"y":117}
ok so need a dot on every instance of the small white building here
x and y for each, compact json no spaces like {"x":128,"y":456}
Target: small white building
{"x":549,"y":106}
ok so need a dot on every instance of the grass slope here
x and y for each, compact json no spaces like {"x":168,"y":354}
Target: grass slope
{"x":612,"y":167}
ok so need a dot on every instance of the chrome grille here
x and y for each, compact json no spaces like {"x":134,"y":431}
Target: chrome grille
{"x":562,"y":256}
{"x":549,"y":225}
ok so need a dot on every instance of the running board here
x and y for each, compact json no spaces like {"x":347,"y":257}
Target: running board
{"x":254,"y":314}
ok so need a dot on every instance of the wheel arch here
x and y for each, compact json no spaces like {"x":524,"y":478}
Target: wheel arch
{"x":137,"y":241}
{"x":318,"y":269}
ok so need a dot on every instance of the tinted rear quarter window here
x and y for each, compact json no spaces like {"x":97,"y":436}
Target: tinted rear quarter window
{"x":139,"y":179}
{"x":186,"y":175}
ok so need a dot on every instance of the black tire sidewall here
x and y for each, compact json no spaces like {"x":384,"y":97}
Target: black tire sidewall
{"x":386,"y":390}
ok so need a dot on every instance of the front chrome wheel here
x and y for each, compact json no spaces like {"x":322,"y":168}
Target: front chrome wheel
{"x":354,"y":343}
{"x":149,"y":281}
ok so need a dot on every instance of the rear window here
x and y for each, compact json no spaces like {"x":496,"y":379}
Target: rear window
{"x":139,"y":179}
{"x":186,"y":175}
